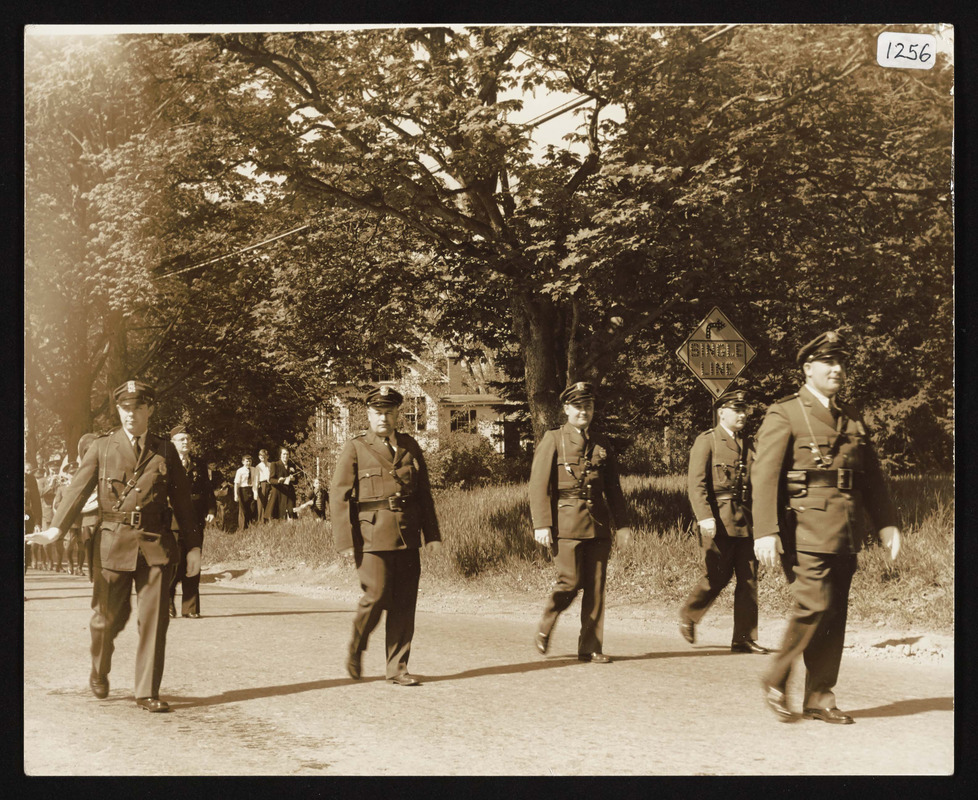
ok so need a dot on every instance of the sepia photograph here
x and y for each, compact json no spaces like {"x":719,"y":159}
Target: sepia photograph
{"x":485,"y":399}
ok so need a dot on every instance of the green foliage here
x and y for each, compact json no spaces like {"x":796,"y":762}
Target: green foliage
{"x":466,"y":460}
{"x":771,"y":170}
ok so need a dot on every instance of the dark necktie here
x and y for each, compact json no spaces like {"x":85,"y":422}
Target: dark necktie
{"x":390,"y":448}
{"x":136,"y":448}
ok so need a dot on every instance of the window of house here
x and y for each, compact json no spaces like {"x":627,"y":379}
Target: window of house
{"x":463,"y":421}
{"x":414,"y":412}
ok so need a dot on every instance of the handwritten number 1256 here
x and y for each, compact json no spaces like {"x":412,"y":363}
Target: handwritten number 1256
{"x":912,"y":53}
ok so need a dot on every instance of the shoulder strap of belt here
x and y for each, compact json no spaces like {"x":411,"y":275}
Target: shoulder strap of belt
{"x":136,"y":475}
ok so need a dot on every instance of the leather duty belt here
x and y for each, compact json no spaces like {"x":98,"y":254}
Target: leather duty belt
{"x":845,"y":480}
{"x":134,"y":519}
{"x":392,"y":503}
{"x":571,"y":494}
{"x":725,"y":495}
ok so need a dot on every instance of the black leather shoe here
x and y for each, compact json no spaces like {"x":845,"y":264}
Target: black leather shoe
{"x":594,"y":658}
{"x":353,"y":665}
{"x":153,"y":704}
{"x":542,"y":641}
{"x":832,"y":715}
{"x":688,"y":631}
{"x":173,"y":611}
{"x":749,"y":646}
{"x":99,"y":685}
{"x":405,"y":679}
{"x":778,"y":703}
{"x":192,"y":616}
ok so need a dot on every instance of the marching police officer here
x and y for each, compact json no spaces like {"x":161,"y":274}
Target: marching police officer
{"x":717,"y":482}
{"x":575,"y":502}
{"x":136,"y":474}
{"x":814,"y":472}
{"x":380,"y":504}
{"x":205,"y":506}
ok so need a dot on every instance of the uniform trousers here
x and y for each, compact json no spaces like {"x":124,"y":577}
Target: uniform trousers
{"x":189,"y":587}
{"x":724,"y":556}
{"x":389,"y":580}
{"x":113,"y":605}
{"x":817,"y":627}
{"x":581,"y":564}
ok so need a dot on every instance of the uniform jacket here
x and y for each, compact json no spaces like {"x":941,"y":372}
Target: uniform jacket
{"x":713,"y":464}
{"x":200,"y":492}
{"x":109,"y":463}
{"x":816,"y":519}
{"x":365,"y":473}
{"x":560,"y":465}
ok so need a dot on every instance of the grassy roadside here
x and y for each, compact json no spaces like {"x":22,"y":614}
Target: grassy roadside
{"x":488,"y":546}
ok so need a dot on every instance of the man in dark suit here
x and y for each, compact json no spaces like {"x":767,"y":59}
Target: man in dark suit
{"x":380,"y":504}
{"x":717,"y":483}
{"x":281,"y":483}
{"x":575,"y":502}
{"x":814,"y":474}
{"x":139,"y":477}
{"x":204,"y":508}
{"x":221,"y":490}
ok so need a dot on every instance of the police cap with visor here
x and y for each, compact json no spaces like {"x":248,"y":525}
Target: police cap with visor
{"x":384,"y":397}
{"x":830,"y":344}
{"x":577,"y":392}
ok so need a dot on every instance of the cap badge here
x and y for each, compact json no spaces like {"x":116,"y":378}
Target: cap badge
{"x":579,"y":385}
{"x":385,"y":390}
{"x":130,"y":386}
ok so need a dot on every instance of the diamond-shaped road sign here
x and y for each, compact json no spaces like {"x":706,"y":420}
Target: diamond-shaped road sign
{"x":715,"y":352}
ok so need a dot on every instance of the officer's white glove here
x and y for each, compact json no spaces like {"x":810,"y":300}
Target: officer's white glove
{"x":767,"y":549}
{"x":209,"y":518}
{"x":193,"y":562}
{"x":50,"y":536}
{"x":708,"y":527}
{"x":542,"y":535}
{"x":433,"y":547}
{"x":623,"y":537}
{"x":890,"y":536}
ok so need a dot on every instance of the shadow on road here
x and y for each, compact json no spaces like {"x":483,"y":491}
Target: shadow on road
{"x":224,"y":574}
{"x":278,"y":613}
{"x":903,"y":708}
{"x":238,"y":695}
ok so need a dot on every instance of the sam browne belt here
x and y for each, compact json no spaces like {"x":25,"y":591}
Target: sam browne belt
{"x":845,"y":480}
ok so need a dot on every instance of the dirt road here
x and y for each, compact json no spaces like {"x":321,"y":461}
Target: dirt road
{"x":258,"y":687}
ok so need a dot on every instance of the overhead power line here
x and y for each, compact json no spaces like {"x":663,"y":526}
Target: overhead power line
{"x":580,"y":100}
{"x":236,"y":252}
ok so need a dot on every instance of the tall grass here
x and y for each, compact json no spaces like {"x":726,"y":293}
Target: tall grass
{"x":488,"y":542}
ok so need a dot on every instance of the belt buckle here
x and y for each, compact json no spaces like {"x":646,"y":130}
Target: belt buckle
{"x":136,"y":519}
{"x":394,"y":503}
{"x":844,"y":480}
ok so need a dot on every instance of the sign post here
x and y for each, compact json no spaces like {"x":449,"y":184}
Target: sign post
{"x":716,"y":353}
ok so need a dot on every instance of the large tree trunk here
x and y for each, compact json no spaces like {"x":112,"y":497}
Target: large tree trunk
{"x":534,"y":323}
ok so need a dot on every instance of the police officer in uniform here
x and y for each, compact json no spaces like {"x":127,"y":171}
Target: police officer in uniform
{"x":205,"y":506}
{"x":717,"y":482}
{"x":380,"y":505}
{"x":814,"y":473}
{"x":137,"y":474}
{"x":575,"y":503}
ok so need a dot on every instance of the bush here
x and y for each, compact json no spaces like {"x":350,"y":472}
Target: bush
{"x":464,"y":460}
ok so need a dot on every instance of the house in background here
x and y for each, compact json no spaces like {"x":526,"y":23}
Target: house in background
{"x":448,"y":394}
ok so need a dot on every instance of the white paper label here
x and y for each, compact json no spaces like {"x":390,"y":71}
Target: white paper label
{"x":906,"y":50}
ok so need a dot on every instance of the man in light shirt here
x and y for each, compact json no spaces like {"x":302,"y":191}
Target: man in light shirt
{"x":245,"y":492}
